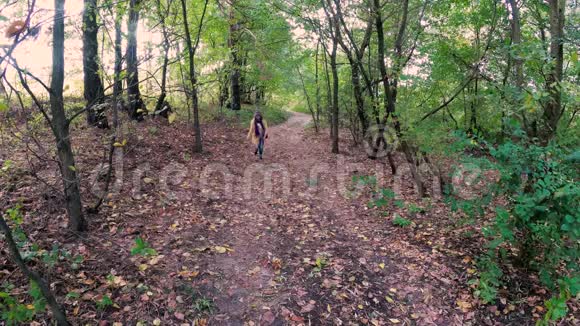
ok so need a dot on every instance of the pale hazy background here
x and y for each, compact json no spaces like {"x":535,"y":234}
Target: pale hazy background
{"x":36,"y":55}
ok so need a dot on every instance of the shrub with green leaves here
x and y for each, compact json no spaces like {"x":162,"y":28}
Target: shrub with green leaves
{"x":142,"y":248}
{"x":541,"y":221}
{"x":401,"y":221}
{"x":13,"y":312}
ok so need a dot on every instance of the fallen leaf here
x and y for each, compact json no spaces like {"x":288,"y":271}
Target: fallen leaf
{"x":179,"y":316}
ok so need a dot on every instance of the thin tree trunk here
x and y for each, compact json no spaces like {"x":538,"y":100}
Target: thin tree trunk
{"x":328,"y":88}
{"x":183,"y":84}
{"x":55,"y":308}
{"x":136,"y":106}
{"x":235,"y":55}
{"x":117,"y":83}
{"x":553,"y":109}
{"x":390,"y":86}
{"x":161,"y":99}
{"x":308,"y":102}
{"x":192,"y":76}
{"x":117,"y":89}
{"x":93,"y":87}
{"x":224,"y":89}
{"x":61,"y":125}
{"x":333,"y":67}
{"x":317,"y":118}
{"x":516,"y":35}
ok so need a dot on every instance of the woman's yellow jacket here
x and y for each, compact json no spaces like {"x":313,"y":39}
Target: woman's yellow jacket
{"x":252,"y":133}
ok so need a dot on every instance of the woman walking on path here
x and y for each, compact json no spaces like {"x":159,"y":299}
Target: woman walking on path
{"x":258,"y":133}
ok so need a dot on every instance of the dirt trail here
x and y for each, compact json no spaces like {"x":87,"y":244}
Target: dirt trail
{"x":287,"y":240}
{"x":306,"y":252}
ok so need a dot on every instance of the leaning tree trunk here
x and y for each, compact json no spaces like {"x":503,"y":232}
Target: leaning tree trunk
{"x":93,"y":87}
{"x":236,"y":103}
{"x":55,"y":308}
{"x":136,"y":106}
{"x":390,"y":88}
{"x":60,"y":125}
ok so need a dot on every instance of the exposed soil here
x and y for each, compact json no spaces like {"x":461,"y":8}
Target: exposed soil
{"x":309,"y":252}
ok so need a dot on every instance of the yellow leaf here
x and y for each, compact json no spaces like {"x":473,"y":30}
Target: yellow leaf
{"x":382,"y":265}
{"x":389,"y":299}
{"x":360,"y":306}
{"x":328,"y":308}
{"x":463,"y":305}
{"x":143,"y":267}
{"x":394,"y":320}
{"x":393,"y":290}
{"x":157,"y":322}
{"x":188,"y":274}
{"x":171,"y":117}
{"x":155,"y":260}
{"x":220,"y":249}
{"x":30,"y":307}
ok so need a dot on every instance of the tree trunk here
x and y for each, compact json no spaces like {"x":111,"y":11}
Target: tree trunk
{"x":328,"y":89}
{"x":161,"y":99}
{"x":117,"y":83}
{"x":308,"y":102}
{"x":516,"y":35}
{"x":191,"y":48}
{"x":553,"y":109}
{"x":136,"y":106}
{"x":61,"y":125}
{"x":55,"y":308}
{"x":235,"y":55}
{"x":93,"y":87}
{"x":390,"y":86}
{"x":183,"y":84}
{"x":224,"y":85}
{"x":317,"y":117}
{"x":333,"y":68}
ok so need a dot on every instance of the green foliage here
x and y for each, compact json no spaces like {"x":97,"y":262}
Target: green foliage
{"x":541,"y":220}
{"x":104,"y":303}
{"x":13,"y":312}
{"x":414,"y":209}
{"x":320,"y":264}
{"x":489,"y":279}
{"x":381,"y":198}
{"x":202,"y":305}
{"x":401,"y":221}
{"x":142,"y":248}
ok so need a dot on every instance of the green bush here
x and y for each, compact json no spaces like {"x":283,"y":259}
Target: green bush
{"x":401,"y":221}
{"x":541,"y":221}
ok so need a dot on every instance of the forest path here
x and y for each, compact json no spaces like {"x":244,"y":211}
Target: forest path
{"x":307,"y":252}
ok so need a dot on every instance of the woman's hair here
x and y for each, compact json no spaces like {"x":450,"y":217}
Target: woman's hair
{"x":258,"y":116}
